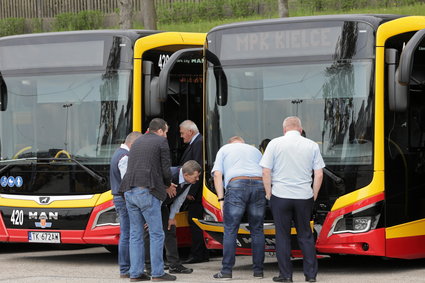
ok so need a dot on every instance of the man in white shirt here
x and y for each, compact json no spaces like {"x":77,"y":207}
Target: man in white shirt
{"x":288,"y":164}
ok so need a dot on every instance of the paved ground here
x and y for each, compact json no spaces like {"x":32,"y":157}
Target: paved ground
{"x":24,"y":263}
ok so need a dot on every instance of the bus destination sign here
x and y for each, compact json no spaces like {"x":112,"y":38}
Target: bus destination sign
{"x":280,"y":43}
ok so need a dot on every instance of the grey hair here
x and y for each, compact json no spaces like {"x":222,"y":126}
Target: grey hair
{"x":292,"y":122}
{"x":190,"y":167}
{"x":189,"y":125}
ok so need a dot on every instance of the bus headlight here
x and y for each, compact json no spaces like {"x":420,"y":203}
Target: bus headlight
{"x":209,"y":216}
{"x":108,"y":216}
{"x":359,"y":221}
{"x":353,"y":225}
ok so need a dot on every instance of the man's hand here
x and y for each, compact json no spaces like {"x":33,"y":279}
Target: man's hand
{"x":146,"y":227}
{"x":221,"y":207}
{"x":190,"y":197}
{"x":268,"y":196}
{"x":171,"y":222}
{"x":171,"y":190}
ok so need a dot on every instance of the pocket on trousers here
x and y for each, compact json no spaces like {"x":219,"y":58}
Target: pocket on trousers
{"x":143,"y":199}
{"x":234,"y":197}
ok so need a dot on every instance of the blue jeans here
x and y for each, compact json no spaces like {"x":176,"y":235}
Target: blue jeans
{"x":244,"y":195}
{"x":123,"y":245}
{"x":143,"y":208}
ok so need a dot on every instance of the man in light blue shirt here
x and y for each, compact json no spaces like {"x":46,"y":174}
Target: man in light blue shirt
{"x":288,"y":164}
{"x":239,"y":164}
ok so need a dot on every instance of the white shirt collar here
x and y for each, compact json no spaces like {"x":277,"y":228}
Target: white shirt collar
{"x":193,"y":138}
{"x":124,"y":146}
{"x":182,"y":181}
{"x":293,"y":133}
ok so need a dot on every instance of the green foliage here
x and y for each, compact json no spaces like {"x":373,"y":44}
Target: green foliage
{"x":187,"y":12}
{"x":36,"y":25}
{"x":84,"y":20}
{"x":314,"y":6}
{"x":11,"y":26}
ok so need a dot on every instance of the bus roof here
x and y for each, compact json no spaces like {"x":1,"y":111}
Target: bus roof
{"x":132,"y":34}
{"x":373,"y":19}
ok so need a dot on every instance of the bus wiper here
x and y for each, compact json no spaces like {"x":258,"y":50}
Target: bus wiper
{"x":339,"y":182}
{"x":92,"y":173}
{"x":13,"y":162}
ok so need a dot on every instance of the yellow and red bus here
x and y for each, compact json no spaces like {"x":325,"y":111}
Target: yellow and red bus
{"x":67,"y":101}
{"x":358,"y":84}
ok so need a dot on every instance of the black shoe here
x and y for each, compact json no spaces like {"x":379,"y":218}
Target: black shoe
{"x":220,"y":275}
{"x":195,"y":260}
{"x":258,"y":275}
{"x":148,"y":271}
{"x":180,"y":269}
{"x":282,"y":279}
{"x":165,"y":277}
{"x":142,"y":277}
{"x":312,"y":279}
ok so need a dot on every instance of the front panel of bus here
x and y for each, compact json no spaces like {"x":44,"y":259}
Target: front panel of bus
{"x":319,"y":70}
{"x":66,"y":107}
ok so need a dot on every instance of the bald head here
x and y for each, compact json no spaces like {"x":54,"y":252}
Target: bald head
{"x":292,"y":123}
{"x":131,"y":137}
{"x":236,"y":139}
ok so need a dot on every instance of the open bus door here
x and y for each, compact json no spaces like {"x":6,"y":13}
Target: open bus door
{"x":405,"y":197}
{"x":212,"y":224}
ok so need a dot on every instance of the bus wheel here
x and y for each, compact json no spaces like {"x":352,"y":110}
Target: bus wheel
{"x":113,"y":249}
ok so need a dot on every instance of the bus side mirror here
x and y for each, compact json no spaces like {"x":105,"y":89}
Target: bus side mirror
{"x":164,"y":75}
{"x":152,"y":103}
{"x":407,"y":57}
{"x":397,"y":93}
{"x":220,"y":76}
{"x":3,"y":94}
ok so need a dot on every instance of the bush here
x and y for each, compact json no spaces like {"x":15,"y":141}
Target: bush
{"x":184,"y":12}
{"x":84,"y":20}
{"x":11,"y":26}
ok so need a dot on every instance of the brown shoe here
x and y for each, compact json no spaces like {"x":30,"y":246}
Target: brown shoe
{"x":124,"y":275}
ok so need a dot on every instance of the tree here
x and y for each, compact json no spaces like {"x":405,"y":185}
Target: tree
{"x":126,"y":14}
{"x":283,"y":8}
{"x":149,"y":14}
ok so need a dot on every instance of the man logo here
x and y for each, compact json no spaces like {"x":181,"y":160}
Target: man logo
{"x":43,"y":222}
{"x":44,"y":200}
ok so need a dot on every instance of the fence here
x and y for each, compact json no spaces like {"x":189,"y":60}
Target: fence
{"x":50,"y":8}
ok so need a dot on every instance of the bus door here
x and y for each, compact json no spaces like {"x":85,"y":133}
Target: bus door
{"x":405,"y":146}
{"x":181,"y":100}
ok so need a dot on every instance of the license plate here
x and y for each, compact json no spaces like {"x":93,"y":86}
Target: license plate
{"x":44,"y":237}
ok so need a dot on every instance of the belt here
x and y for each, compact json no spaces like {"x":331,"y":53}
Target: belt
{"x":245,"y":178}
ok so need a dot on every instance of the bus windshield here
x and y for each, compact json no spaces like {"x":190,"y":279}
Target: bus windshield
{"x":83,"y":115}
{"x":333,"y":100}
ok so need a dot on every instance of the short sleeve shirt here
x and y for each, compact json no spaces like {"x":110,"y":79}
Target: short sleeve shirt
{"x":292,"y":159}
{"x":237,"y":159}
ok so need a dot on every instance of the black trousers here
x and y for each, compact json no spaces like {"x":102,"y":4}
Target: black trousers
{"x":284,"y":212}
{"x":198,"y":249}
{"x":170,"y":240}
